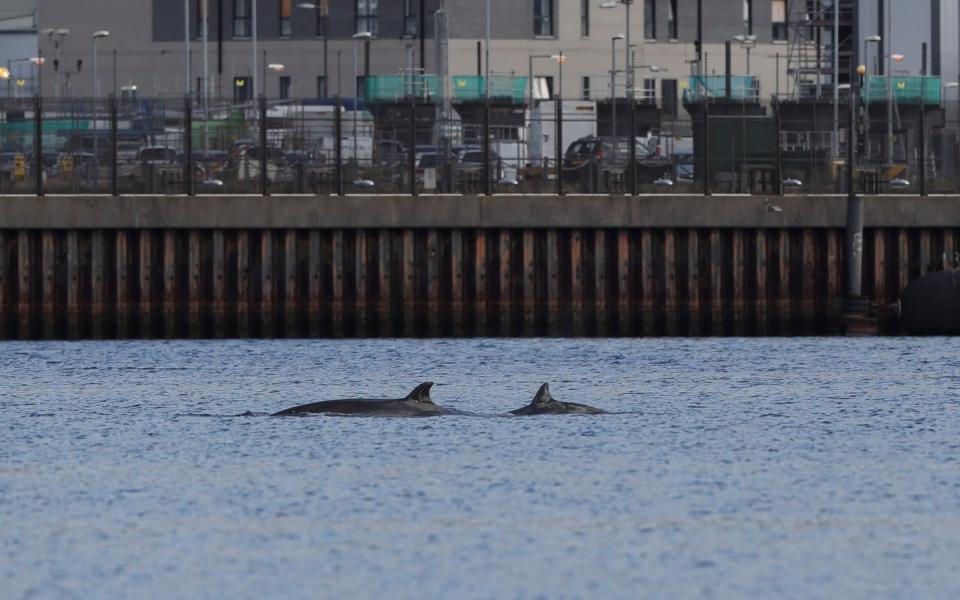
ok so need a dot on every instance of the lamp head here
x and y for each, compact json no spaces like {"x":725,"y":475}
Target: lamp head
{"x":100,"y":34}
{"x":363,"y":35}
{"x":861,"y":70}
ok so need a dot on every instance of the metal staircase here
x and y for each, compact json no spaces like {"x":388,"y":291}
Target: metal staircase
{"x":810,"y":44}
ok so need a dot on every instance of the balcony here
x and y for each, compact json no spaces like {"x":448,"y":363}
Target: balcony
{"x":463,"y":88}
{"x":906,"y":90}
{"x":744,"y":88}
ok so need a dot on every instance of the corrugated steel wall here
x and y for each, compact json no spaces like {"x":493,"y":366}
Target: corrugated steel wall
{"x":446,"y":282}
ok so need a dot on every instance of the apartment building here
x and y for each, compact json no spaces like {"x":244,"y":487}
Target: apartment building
{"x":148,"y":40}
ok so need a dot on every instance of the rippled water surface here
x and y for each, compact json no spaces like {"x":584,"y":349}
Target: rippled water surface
{"x":782,"y":468}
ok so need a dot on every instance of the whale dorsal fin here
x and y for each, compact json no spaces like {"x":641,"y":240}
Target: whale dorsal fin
{"x":421,"y":393}
{"x":543,"y":396}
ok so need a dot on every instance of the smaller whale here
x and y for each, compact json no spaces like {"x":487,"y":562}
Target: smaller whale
{"x":416,"y":404}
{"x":545,"y":404}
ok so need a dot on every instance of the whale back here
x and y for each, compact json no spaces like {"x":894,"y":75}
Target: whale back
{"x":421,"y":393}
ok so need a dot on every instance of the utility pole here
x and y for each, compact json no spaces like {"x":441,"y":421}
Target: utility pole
{"x":253,"y":35}
{"x":486,"y":79}
{"x":835,"y":145}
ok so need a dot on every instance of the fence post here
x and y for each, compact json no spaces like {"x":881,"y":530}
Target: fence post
{"x":777,"y":125}
{"x":337,"y":149}
{"x":188,"y":145}
{"x":487,"y":188}
{"x":412,"y":151}
{"x":38,"y":144}
{"x":264,"y":180}
{"x":851,"y":139}
{"x":632,"y":143}
{"x":114,"y":175}
{"x":706,"y":145}
{"x":854,"y":304}
{"x":923,"y":146}
{"x":558,"y":120}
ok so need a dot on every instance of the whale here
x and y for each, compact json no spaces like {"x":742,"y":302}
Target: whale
{"x":416,"y":404}
{"x":545,"y":404}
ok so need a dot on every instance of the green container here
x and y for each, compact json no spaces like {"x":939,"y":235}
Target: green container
{"x":905,"y":89}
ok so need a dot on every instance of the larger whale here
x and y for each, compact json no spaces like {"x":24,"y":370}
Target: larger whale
{"x":545,"y":404}
{"x":417,"y":404}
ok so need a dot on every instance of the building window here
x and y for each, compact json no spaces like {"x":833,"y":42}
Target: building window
{"x":584,"y":18}
{"x":361,"y":86}
{"x":367,"y":16}
{"x":585,"y":89}
{"x":650,"y":19}
{"x":778,"y":17}
{"x":748,"y":16}
{"x":548,"y":83}
{"x":668,"y":97}
{"x":321,"y":87}
{"x":286,"y":23}
{"x":672,"y":20}
{"x":543,"y":17}
{"x":201,"y":17}
{"x":241,"y":18}
{"x":323,"y":13}
{"x":650,"y":90}
{"x":409,"y":18}
{"x":285,"y":84}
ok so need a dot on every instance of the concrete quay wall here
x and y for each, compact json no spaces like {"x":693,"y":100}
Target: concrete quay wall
{"x":368,"y":266}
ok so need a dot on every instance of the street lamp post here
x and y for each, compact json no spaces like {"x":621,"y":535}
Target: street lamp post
{"x":60,"y":34}
{"x":889,"y":74}
{"x":96,"y":98}
{"x":322,"y":8}
{"x":613,"y":89}
{"x":253,"y":38}
{"x":627,"y":4}
{"x":628,"y":65}
{"x":865,"y":94}
{"x":186,"y":47}
{"x":747,"y":42}
{"x":363,"y":35}
{"x":486,"y":79}
{"x":530,"y":58}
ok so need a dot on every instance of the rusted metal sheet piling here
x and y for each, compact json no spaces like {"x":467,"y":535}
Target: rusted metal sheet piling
{"x":316,"y":272}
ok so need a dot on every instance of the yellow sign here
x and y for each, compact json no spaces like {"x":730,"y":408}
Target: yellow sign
{"x":21,"y":82}
{"x":66,"y":164}
{"x":901,"y":85}
{"x":20,"y":166}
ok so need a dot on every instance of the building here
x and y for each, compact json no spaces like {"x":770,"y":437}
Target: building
{"x":18,"y":48}
{"x":146,"y":47}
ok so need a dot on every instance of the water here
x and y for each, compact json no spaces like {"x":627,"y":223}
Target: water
{"x":780,"y":468}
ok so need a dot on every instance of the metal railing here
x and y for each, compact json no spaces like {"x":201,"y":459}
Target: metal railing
{"x":703,"y":146}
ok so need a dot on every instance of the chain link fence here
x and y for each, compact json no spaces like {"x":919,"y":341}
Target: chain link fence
{"x":703,"y":143}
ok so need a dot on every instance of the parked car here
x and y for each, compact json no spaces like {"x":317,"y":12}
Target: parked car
{"x":390,"y":154}
{"x":472,"y":159}
{"x":588,"y":159}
